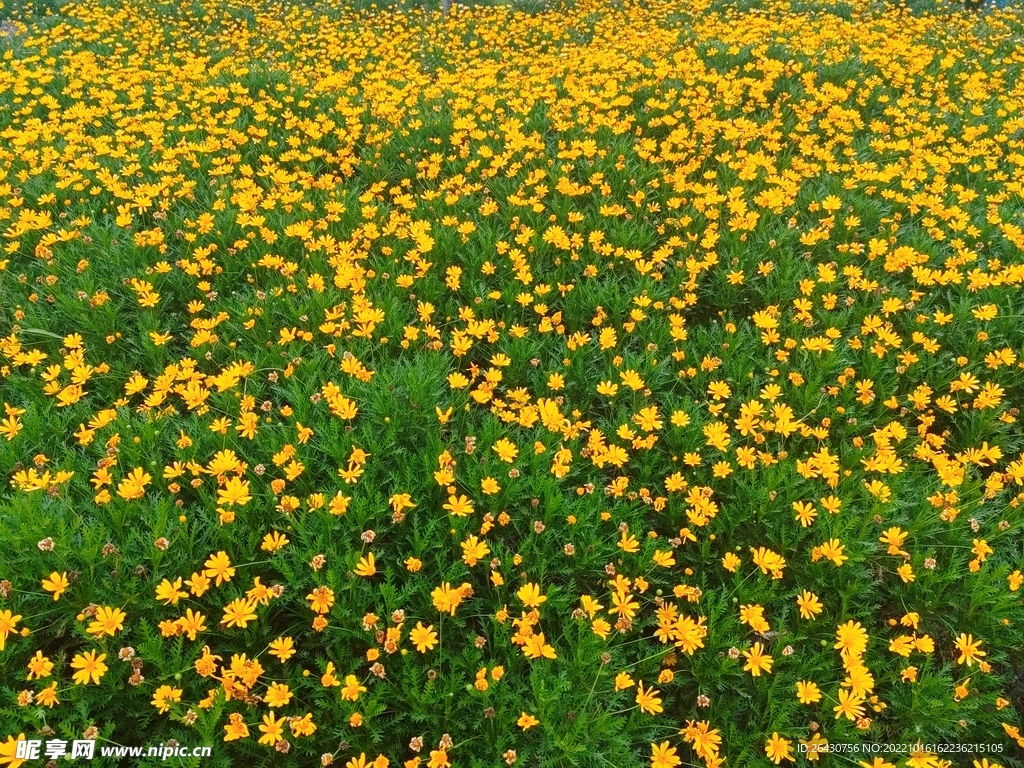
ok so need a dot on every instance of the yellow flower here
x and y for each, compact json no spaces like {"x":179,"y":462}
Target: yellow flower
{"x":351,"y":690}
{"x":808,"y":692}
{"x":234,"y":491}
{"x":236,"y":728}
{"x":107,"y":621}
{"x":192,"y":623}
{"x":277,"y":695}
{"x":206,"y":665}
{"x":779,"y":749}
{"x":446,"y":599}
{"x":199,"y":583}
{"x":815,"y":747}
{"x":961,"y":691}
{"x":757,"y":661}
{"x":9,"y":749}
{"x":663,"y":558}
{"x":628,"y":543}
{"x":536,"y":647}
{"x":664,"y":755}
{"x":851,"y":639}
{"x":459,"y":506}
{"x":303,"y":726}
{"x":39,"y":666}
{"x":164,"y":696}
{"x":56,"y":583}
{"x":970,"y":649}
{"x":283,"y":648}
{"x":273,"y":541}
{"x":366,"y":567}
{"x":219,"y":567}
{"x":90,"y":667}
{"x":809,"y":605}
{"x":169,"y":592}
{"x":400,"y":502}
{"x":48,"y":696}
{"x":648,"y":700}
{"x":134,"y":485}
{"x":423,"y":638}
{"x":328,"y":679}
{"x":851,"y":705}
{"x":272,"y":729}
{"x":238,"y":613}
{"x":506,"y":450}
{"x":530,"y":595}
{"x":8,"y":620}
{"x":527,"y":721}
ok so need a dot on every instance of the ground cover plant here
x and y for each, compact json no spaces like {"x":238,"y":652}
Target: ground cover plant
{"x":635,"y":385}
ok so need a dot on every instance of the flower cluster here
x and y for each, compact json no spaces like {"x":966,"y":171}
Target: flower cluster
{"x":639,"y":382}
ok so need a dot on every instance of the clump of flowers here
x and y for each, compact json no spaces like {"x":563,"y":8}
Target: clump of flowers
{"x":381,"y":389}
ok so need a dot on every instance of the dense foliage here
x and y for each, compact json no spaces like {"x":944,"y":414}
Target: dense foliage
{"x":636,"y":385}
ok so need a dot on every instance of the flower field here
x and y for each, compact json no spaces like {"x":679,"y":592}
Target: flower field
{"x":624,"y":384}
